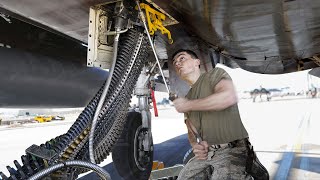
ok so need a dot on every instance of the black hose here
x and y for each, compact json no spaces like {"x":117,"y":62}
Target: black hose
{"x":83,"y":164}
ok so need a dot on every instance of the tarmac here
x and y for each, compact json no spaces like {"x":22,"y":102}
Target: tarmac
{"x":285,"y":134}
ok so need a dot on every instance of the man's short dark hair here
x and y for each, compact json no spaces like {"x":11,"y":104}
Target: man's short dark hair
{"x":191,"y":53}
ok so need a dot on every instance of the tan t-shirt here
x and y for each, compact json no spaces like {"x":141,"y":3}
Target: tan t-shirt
{"x":215,"y":127}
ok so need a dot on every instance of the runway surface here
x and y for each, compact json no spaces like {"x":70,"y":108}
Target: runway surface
{"x":284,"y":133}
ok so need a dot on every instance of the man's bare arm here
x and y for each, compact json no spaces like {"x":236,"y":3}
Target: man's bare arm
{"x":223,"y":97}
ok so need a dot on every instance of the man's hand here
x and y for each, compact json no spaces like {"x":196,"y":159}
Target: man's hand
{"x":200,"y":150}
{"x":182,"y":105}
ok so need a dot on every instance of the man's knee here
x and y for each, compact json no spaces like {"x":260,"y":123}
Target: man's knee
{"x":196,"y":171}
{"x":255,"y":168}
{"x":202,"y":175}
{"x":258,"y":171}
{"x":224,"y":173}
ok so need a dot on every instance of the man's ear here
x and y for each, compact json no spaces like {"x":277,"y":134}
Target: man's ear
{"x":198,"y":62}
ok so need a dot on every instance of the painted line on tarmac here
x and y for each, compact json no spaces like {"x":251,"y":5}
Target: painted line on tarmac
{"x":291,"y":150}
{"x":304,"y":163}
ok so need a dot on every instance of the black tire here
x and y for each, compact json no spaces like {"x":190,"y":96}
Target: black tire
{"x":123,"y":152}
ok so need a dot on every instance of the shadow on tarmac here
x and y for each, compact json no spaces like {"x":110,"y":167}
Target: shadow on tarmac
{"x":170,"y":152}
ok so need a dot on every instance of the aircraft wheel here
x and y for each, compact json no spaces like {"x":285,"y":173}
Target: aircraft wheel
{"x":131,"y":162}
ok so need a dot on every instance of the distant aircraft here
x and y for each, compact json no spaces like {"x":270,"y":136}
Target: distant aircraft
{"x":47,"y":46}
{"x":259,"y":93}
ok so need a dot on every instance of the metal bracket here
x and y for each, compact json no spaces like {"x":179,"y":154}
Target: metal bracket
{"x":169,"y":20}
{"x":300,"y":65}
{"x":155,"y":19}
{"x":316,"y":59}
{"x":5,"y":17}
{"x":99,"y":53}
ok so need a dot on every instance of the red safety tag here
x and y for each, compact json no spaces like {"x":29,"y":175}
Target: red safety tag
{"x":154,"y":103}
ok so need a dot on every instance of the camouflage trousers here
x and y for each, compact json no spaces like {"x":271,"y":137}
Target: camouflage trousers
{"x":229,"y":163}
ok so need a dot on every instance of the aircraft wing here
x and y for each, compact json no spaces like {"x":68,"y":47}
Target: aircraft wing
{"x":267,"y":37}
{"x":69,"y":18}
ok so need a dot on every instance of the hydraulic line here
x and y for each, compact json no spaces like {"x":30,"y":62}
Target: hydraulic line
{"x":102,"y":98}
{"x":82,"y":164}
{"x":151,"y":43}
